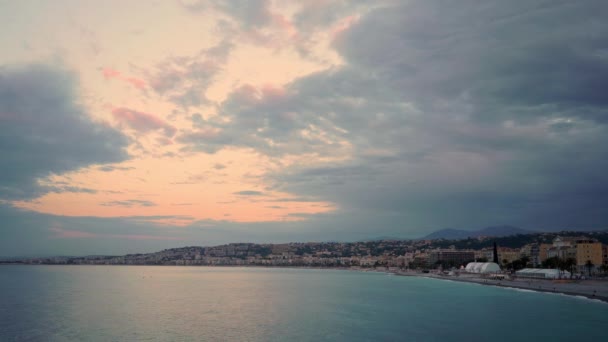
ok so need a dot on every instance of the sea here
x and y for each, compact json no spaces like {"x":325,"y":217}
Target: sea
{"x":165,"y":303}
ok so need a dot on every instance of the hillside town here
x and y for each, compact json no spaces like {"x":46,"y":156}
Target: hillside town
{"x":584,"y":255}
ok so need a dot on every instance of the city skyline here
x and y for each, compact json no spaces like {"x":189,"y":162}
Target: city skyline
{"x":207,"y":122}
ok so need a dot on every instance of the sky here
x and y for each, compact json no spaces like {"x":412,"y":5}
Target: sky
{"x":134,"y":126}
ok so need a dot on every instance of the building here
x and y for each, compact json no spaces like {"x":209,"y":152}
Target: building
{"x":481,"y":254}
{"x":450,"y":257}
{"x":532,"y":252}
{"x":508,"y":255}
{"x":505,"y":255}
{"x":542,"y":252}
{"x":567,"y":241}
{"x":563,"y":252}
{"x":589,"y":250}
{"x":420,"y":260}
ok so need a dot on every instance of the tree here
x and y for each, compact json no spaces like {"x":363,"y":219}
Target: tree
{"x":569,"y":265}
{"x":589,"y":266}
{"x":520,"y":263}
{"x":552,"y":262}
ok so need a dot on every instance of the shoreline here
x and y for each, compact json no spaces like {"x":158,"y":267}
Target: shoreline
{"x":594,"y":290}
{"x":590,"y":289}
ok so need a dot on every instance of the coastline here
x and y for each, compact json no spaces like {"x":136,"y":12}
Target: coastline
{"x":590,"y":289}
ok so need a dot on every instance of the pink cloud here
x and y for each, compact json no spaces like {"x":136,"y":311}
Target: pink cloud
{"x":70,"y":234}
{"x":343,"y":25}
{"x":285,"y":25}
{"x":61,"y":233}
{"x":136,"y":82}
{"x":109,"y":73}
{"x":271,"y":92}
{"x":142,"y":122}
{"x":246,"y":93}
{"x":164,"y":141}
{"x":144,"y":237}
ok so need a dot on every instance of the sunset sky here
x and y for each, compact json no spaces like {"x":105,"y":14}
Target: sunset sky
{"x":130,"y":126}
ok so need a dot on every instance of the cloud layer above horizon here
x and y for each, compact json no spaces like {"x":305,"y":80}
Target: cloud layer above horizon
{"x":203,"y":122}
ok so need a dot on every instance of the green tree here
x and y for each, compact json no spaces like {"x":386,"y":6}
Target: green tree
{"x":552,"y":262}
{"x":589,"y":266}
{"x":520,"y":263}
{"x":569,"y":264}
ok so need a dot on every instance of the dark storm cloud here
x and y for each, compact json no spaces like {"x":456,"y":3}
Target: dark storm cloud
{"x":454,"y":114}
{"x":44,"y":130}
{"x":493,"y":54}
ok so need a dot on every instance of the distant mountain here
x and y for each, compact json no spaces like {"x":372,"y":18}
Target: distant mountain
{"x":382,"y":238}
{"x":457,"y":234}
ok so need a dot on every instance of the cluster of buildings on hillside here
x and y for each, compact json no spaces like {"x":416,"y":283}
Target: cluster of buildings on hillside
{"x":587,"y":255}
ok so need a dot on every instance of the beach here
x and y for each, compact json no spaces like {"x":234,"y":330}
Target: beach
{"x":593,"y":289}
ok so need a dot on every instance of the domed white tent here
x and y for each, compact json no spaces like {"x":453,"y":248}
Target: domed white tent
{"x":482,"y":267}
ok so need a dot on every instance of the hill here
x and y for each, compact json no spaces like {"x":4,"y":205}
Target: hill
{"x":459,"y":234}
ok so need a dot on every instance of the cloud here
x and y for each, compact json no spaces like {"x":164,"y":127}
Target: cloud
{"x":71,"y":234}
{"x":184,"y":80}
{"x":129,"y":203}
{"x":44,"y":130}
{"x":142,"y":122}
{"x":249,"y":193}
{"x":462,"y":115}
{"x":219,"y":166}
{"x":250,"y":13}
{"x":75,"y":234}
{"x":208,"y":139}
{"x":294,"y":199}
{"x":26,"y":233}
{"x":110,"y":168}
{"x":109,"y":73}
{"x":68,"y":188}
{"x":322,"y":14}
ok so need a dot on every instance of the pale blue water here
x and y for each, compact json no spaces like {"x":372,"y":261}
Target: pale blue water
{"x":122,"y":303}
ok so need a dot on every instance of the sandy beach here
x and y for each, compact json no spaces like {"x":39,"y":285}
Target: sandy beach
{"x":593,"y":289}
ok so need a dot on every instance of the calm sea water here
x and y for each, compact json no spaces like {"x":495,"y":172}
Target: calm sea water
{"x":116,"y":303}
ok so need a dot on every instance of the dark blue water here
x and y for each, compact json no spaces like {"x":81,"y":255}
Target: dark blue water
{"x":122,"y":303}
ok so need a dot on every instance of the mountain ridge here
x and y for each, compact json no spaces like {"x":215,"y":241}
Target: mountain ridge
{"x":494,"y":231}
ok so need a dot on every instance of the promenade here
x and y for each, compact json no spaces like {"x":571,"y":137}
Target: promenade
{"x":594,"y":289}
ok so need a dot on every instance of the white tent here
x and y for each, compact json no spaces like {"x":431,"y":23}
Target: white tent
{"x":482,"y":267}
{"x":543,"y":273}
